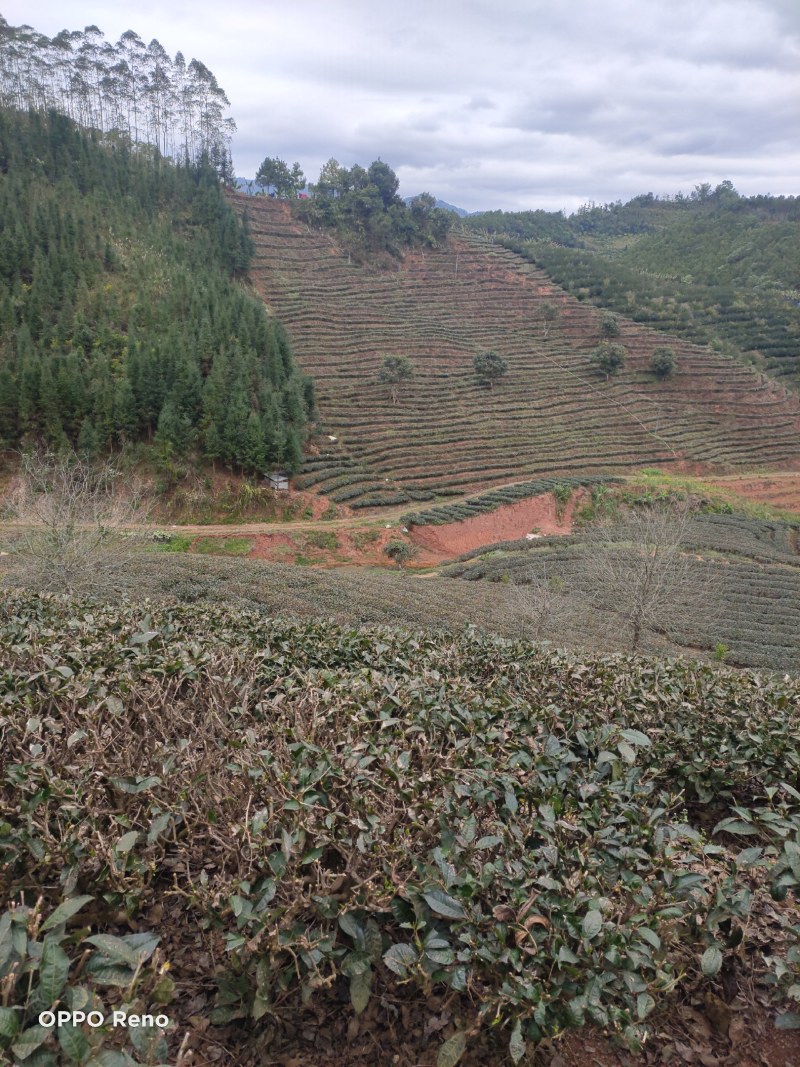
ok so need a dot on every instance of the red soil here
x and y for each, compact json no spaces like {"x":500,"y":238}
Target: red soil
{"x":779,"y":490}
{"x":508,"y":523}
{"x":364,"y":546}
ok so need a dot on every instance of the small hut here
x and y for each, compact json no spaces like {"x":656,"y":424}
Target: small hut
{"x":278,"y":480}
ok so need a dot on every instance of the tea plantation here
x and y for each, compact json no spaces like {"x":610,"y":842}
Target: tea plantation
{"x":750,"y":567}
{"x":552,"y":416}
{"x":286,"y":830}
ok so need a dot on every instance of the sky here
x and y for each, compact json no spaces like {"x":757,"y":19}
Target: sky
{"x":513,"y":104}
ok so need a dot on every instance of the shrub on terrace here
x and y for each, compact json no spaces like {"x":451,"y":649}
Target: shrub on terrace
{"x":609,"y":327}
{"x":490,"y":368}
{"x":608,"y":358}
{"x":662,"y":362}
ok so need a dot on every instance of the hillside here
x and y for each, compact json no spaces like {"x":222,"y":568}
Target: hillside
{"x":551,"y":414}
{"x":714,"y":267}
{"x":122,"y":320}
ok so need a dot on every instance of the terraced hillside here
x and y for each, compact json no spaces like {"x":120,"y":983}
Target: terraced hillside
{"x":752,"y":567}
{"x":550,"y":414}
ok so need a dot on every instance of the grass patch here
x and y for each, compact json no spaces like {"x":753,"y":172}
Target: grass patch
{"x":362,"y":538}
{"x":171,"y":543}
{"x":326,"y":539}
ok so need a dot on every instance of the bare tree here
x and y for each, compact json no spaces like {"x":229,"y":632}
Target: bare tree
{"x":73,"y":526}
{"x":542,"y":604}
{"x":641,"y":568}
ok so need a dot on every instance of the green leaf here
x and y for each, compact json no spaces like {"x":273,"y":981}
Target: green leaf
{"x":53,"y":972}
{"x":136,"y":785}
{"x":352,"y":927}
{"x":158,"y":826}
{"x":442,"y":904}
{"x":110,"y":1058}
{"x":400,"y":959}
{"x":373,"y":941}
{"x":261,"y":1006}
{"x":144,"y":637}
{"x":627,"y":752}
{"x":516,"y":1045}
{"x":636,"y":737}
{"x":42,"y":1057}
{"x":644,"y":1005}
{"x":748,"y":857}
{"x":650,"y":936}
{"x":144,"y":945}
{"x":488,"y":842}
{"x":9,"y":1022}
{"x":360,"y":989}
{"x":73,"y":1042}
{"x":64,"y":912}
{"x":126,"y":842}
{"x":592,"y":924}
{"x":735,"y":826}
{"x":104,"y":973}
{"x":789,"y":1021}
{"x":452,"y":1050}
{"x":114,"y":948}
{"x":29,"y":1040}
{"x":354,"y":963}
{"x":711,"y":961}
{"x":149,"y":1042}
{"x":469,"y":829}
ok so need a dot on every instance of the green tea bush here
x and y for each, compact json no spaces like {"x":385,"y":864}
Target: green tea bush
{"x":46,"y":969}
{"x":374,"y":808}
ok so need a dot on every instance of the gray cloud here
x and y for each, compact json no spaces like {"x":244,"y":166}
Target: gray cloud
{"x":511,"y":103}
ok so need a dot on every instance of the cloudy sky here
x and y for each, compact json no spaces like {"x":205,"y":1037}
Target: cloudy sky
{"x":513,"y":104}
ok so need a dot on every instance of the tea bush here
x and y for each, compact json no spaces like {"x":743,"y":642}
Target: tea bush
{"x":572,"y":839}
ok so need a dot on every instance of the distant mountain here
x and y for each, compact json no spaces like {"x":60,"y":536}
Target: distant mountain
{"x":462,"y":214}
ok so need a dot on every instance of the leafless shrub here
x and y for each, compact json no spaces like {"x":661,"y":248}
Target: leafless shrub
{"x":71,"y":525}
{"x":542,"y":603}
{"x":641,"y":568}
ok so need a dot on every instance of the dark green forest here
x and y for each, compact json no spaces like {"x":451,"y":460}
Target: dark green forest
{"x":121,"y":319}
{"x":714,"y":267}
{"x":363,"y":207}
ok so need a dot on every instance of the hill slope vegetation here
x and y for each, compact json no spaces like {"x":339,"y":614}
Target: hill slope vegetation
{"x":713,"y":267}
{"x":552,"y":413}
{"x":120,"y":316}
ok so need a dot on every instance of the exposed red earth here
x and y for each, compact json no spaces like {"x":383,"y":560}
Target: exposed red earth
{"x":360,"y":544}
{"x":537,"y":516}
{"x":778,"y":489}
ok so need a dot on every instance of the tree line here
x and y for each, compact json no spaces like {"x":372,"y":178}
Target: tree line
{"x":120,"y":317}
{"x":128,"y":89}
{"x":361,"y":204}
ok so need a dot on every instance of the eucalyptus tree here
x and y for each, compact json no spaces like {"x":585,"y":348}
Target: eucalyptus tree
{"x":128,"y":88}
